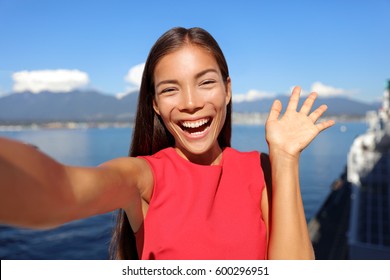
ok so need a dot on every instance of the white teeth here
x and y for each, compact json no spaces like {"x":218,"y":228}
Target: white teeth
{"x":195,"y":124}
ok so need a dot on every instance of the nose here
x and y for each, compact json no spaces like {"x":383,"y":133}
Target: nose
{"x":190,"y":100}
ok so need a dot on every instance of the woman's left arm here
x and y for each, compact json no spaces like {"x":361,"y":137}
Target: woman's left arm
{"x":287,"y":136}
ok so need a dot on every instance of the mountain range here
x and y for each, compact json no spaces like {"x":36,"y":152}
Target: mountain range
{"x":94,"y":106}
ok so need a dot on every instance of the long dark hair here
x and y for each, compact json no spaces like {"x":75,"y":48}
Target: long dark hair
{"x":150,"y":134}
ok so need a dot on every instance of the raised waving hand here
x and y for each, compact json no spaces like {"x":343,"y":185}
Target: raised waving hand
{"x":292,"y":132}
{"x":287,"y":135}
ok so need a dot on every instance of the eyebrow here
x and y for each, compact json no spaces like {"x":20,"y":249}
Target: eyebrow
{"x":200,"y":74}
{"x":197,"y":76}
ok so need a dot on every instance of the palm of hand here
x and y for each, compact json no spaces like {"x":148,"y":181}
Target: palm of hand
{"x":294,"y":131}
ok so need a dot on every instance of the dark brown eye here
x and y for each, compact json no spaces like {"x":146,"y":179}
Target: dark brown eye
{"x":168,"y":90}
{"x":207,"y":82}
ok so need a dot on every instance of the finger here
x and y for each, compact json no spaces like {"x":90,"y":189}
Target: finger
{"x":294,"y":99}
{"x":324,"y":125}
{"x":316,"y":114}
{"x":275,"y":110}
{"x":308,"y":104}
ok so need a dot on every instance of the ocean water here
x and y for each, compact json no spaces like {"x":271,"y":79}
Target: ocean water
{"x":321,"y":163}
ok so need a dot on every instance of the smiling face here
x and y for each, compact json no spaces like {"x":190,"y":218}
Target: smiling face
{"x":191,"y":97}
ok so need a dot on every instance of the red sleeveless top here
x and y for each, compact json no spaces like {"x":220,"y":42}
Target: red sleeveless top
{"x":204,"y":212}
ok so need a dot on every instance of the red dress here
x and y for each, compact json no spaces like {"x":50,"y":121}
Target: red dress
{"x":204,"y":212}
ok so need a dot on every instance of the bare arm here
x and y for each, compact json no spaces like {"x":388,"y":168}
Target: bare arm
{"x":287,"y":137}
{"x":38,"y":192}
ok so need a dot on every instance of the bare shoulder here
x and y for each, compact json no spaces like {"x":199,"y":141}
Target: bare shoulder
{"x":133,"y":169}
{"x":126,"y":163}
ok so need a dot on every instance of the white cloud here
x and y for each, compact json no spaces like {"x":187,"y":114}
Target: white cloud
{"x":134,"y":76}
{"x":60,"y":80}
{"x":120,"y":95}
{"x":252,"y":95}
{"x":326,"y":91}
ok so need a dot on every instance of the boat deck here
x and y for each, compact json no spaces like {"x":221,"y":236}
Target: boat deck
{"x":370,"y":220}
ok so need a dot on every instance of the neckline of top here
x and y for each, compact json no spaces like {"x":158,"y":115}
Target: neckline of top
{"x":173,"y":151}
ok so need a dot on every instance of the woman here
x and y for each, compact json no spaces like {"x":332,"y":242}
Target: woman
{"x":183,"y":191}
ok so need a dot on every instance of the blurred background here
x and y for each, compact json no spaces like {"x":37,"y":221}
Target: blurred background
{"x":70,"y":73}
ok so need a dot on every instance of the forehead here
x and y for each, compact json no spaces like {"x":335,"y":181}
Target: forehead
{"x":186,"y":60}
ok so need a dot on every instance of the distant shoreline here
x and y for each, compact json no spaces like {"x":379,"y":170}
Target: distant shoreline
{"x":237,"y":119}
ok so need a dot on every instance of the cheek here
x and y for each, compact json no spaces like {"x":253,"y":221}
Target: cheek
{"x":164,"y":107}
{"x":218,"y":99}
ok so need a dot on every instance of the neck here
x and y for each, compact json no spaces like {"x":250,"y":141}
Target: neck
{"x":211,"y":157}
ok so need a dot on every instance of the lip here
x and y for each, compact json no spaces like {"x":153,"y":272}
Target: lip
{"x":194,"y":119}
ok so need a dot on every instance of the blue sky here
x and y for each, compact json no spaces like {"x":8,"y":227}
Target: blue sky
{"x":334,"y":47}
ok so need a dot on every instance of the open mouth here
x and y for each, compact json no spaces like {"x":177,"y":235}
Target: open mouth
{"x":195,"y":127}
